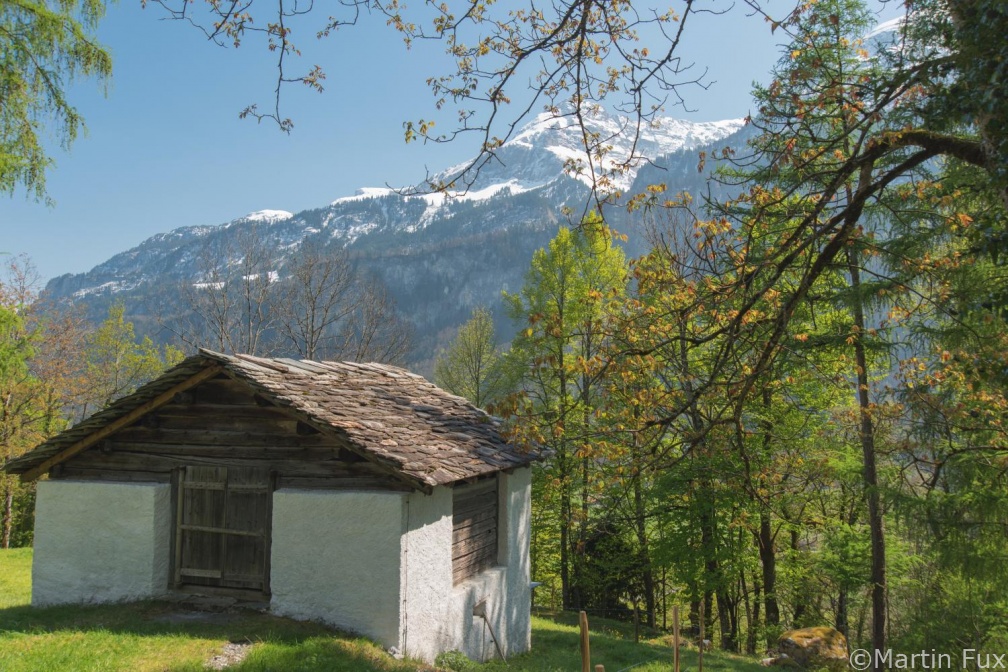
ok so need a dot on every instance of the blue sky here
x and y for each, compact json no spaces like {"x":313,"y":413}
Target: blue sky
{"x":166,"y":149}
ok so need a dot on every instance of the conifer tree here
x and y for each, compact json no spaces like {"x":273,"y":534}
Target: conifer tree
{"x":45,"y":46}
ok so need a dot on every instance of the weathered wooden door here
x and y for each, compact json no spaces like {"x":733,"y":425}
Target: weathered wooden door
{"x":222,"y":533}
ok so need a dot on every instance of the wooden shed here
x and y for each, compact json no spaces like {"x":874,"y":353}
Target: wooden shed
{"x":356,"y":494}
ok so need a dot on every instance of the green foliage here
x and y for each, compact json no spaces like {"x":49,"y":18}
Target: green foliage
{"x":117,"y":364}
{"x":15,"y":346}
{"x":456,"y":661}
{"x":473,"y":366}
{"x":563,"y":306}
{"x":749,"y":387}
{"x":21,"y":418}
{"x":45,"y":45}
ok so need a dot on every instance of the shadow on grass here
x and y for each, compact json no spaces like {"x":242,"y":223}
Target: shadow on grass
{"x":165,"y":636}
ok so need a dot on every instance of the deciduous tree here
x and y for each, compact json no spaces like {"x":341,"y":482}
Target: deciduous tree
{"x":228,"y":307}
{"x":18,"y":408}
{"x":117,"y":363}
{"x":473,"y":366}
{"x":316,"y":297}
{"x":563,"y":304}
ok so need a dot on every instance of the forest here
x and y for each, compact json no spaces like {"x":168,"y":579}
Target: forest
{"x":791,"y":411}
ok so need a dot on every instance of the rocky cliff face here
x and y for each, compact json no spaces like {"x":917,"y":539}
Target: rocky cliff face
{"x":439,"y":255}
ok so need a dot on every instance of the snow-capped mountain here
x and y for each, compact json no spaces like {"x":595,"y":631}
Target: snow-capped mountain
{"x":440,"y":254}
{"x":550,"y":145}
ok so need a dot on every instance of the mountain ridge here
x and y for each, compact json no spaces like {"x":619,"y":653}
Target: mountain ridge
{"x":430,"y":249}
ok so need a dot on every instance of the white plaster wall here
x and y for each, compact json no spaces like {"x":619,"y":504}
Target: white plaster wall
{"x":100,"y":542}
{"x":335,"y":558}
{"x":428,"y":624}
{"x":518,"y":586}
{"x":437,"y":616}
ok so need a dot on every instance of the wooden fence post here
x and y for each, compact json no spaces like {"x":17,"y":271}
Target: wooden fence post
{"x":585,"y":647}
{"x":675,"y":638}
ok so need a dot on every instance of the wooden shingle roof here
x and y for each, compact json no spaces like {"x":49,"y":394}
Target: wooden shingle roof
{"x":392,"y":417}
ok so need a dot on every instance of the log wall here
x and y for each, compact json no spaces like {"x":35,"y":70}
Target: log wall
{"x":474,"y":528}
{"x":223,"y":422}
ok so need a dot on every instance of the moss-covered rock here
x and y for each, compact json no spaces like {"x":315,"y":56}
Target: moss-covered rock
{"x":815,"y":648}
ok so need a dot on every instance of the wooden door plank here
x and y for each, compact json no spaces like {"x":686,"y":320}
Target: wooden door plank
{"x":224,"y":522}
{"x":223,"y":537}
{"x":179,"y":477}
{"x":202,"y":485}
{"x":202,"y":573}
{"x":223,"y":530}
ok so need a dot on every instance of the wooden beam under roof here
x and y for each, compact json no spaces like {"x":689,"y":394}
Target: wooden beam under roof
{"x":123,"y":421}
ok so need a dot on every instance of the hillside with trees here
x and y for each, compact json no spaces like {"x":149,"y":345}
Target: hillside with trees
{"x":787,"y":408}
{"x":790,"y":411}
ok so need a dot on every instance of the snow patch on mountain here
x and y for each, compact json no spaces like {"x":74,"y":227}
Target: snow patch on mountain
{"x":512,"y":187}
{"x":552,"y":143}
{"x":439,"y":200}
{"x":664,"y":133}
{"x":177,"y":235}
{"x":110,"y":287}
{"x":436,"y":198}
{"x":364,"y":193}
{"x":267,"y":216}
{"x":622,"y":159}
{"x":355,"y":232}
{"x":542,"y":149}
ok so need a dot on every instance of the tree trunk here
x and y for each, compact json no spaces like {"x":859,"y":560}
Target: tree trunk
{"x":801,"y":601}
{"x":694,"y":612}
{"x":768,"y":562}
{"x":765,"y":538}
{"x":649,"y":590}
{"x":750,"y":643}
{"x":582,"y":537}
{"x":565,"y":524}
{"x":727,"y":620}
{"x":754,"y":624}
{"x":640,"y":522}
{"x":841,"y":613}
{"x":843,"y":595}
{"x":664,"y":600}
{"x":565,"y":587}
{"x":708,"y":615}
{"x":867,"y":435}
{"x":708,"y":542}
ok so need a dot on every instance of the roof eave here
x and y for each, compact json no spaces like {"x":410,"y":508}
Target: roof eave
{"x":128,"y":418}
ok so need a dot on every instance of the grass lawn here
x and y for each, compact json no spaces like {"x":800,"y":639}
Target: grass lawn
{"x":159,"y":636}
